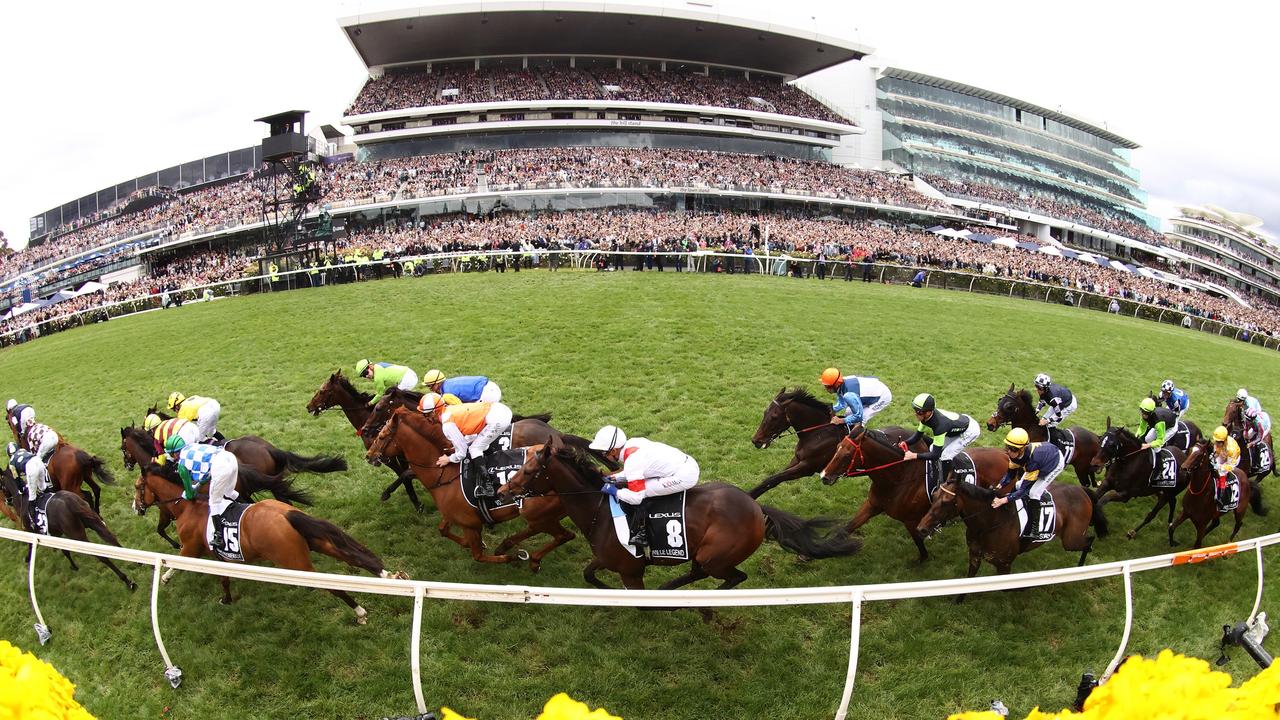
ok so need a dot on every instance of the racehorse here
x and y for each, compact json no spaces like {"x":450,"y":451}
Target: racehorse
{"x":269,"y":530}
{"x":67,"y":515}
{"x":338,"y":392}
{"x":723,"y":524}
{"x":420,"y":440}
{"x":994,"y":534}
{"x":1017,"y":409}
{"x":1129,"y":472}
{"x":898,"y":485}
{"x":1233,"y":419}
{"x":138,"y":449}
{"x":71,"y":468}
{"x":1200,"y":504}
{"x":250,"y":450}
{"x":816,"y":437}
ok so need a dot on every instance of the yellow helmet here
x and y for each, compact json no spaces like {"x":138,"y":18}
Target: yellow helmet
{"x":1016,"y":439}
{"x":176,"y":399}
{"x":431,"y":401}
{"x":432,"y":377}
{"x":1219,"y":434}
{"x":151,"y":422}
{"x":831,"y":377}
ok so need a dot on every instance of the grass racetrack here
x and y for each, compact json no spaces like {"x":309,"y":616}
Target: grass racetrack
{"x":689,"y":360}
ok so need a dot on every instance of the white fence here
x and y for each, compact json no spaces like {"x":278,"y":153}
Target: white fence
{"x":701,"y":261}
{"x":853,"y":595}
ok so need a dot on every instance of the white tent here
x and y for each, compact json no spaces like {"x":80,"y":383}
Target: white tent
{"x":1086,"y":257}
{"x":1050,"y":250}
{"x":1120,"y":266}
{"x":23,"y":308}
{"x":1007,"y":242}
{"x":91,"y":287}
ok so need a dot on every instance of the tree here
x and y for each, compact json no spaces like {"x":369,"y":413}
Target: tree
{"x":4,"y":245}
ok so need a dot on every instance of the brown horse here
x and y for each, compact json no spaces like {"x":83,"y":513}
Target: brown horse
{"x":71,"y":468}
{"x":269,"y":530}
{"x":1200,"y":504}
{"x":897,"y":485}
{"x":1017,"y":409}
{"x":723,"y":524}
{"x":338,"y":392}
{"x":137,"y":449}
{"x":420,"y":440}
{"x":67,"y":514}
{"x":1234,"y":420}
{"x":816,"y":437}
{"x":994,"y":534}
{"x":1129,"y":474}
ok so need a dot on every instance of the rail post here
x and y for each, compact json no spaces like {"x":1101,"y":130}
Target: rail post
{"x":1128,"y":625}
{"x":1257,"y":600}
{"x":42,"y":631}
{"x":855,"y":633}
{"x":414,"y":648}
{"x":172,"y":672}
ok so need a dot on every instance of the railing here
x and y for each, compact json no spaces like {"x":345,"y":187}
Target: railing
{"x":854,"y":595}
{"x":701,"y":261}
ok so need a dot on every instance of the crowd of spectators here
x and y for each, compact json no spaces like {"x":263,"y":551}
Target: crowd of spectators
{"x":451,"y":84}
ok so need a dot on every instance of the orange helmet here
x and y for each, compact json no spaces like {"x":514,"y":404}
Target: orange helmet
{"x":831,"y":377}
{"x":430,"y":402}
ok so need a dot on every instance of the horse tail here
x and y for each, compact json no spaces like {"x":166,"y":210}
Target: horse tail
{"x":95,"y":465}
{"x":90,"y":519}
{"x":544,"y":417}
{"x":255,"y":482}
{"x":800,"y":536}
{"x":1098,"y":519}
{"x":308,"y":463}
{"x":324,"y":537}
{"x":1255,"y":498}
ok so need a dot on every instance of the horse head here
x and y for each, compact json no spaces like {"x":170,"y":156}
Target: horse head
{"x":795,"y":409}
{"x":774,"y":423}
{"x":144,"y":495}
{"x":1116,"y":442}
{"x":944,"y":508}
{"x":327,"y":396}
{"x":379,"y":415}
{"x":1006,"y":409}
{"x":384,"y":444}
{"x":1233,"y":415}
{"x":532,"y":477}
{"x":853,"y":453}
{"x":125,"y":454}
{"x":1197,"y":456}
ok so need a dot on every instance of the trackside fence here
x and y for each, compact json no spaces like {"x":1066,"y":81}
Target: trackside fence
{"x":852,"y":595}
{"x":782,"y":266}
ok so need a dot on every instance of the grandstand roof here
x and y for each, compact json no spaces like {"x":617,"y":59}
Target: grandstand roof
{"x":559,"y":27}
{"x":996,"y":97}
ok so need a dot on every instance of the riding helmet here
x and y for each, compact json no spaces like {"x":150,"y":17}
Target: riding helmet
{"x":1043,"y":380}
{"x":1016,"y":439}
{"x":1147,"y":405}
{"x":831,"y":377}
{"x":923,"y":403}
{"x":1166,"y":386}
{"x":174,"y":444}
{"x":176,"y":399}
{"x":432,"y":377}
{"x":1219,"y":434}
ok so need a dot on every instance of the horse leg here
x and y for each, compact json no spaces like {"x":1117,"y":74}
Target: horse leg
{"x":695,"y":574}
{"x":162,"y":524}
{"x":1174,"y":525}
{"x":1088,"y":545}
{"x":95,"y":494}
{"x":589,"y":574}
{"x":1240,"y":513}
{"x":444,"y":529}
{"x":918,"y":539}
{"x":559,"y":536}
{"x":362,"y":615}
{"x":1159,"y":504}
{"x":472,"y":536}
{"x":226,"y":591}
{"x":67,"y":554}
{"x":865,"y":513}
{"x":123,"y":578}
{"x":790,"y":472}
{"x":512,"y":540}
{"x":975,"y":561}
{"x":733,"y":580}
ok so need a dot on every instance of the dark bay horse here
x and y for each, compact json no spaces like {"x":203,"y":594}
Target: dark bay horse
{"x":269,"y":530}
{"x":1200,"y":505}
{"x":816,"y":437}
{"x":994,"y":534}
{"x":250,"y":450}
{"x":1129,"y":474}
{"x":723,"y":524}
{"x":137,"y":449}
{"x":897,"y":485}
{"x":420,"y":440}
{"x":1017,"y":408}
{"x":68,"y":514}
{"x":1234,"y":420}
{"x":338,"y":392}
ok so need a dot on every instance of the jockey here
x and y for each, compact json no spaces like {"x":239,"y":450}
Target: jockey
{"x":468,"y":388}
{"x":1057,"y":398}
{"x":162,"y":430}
{"x":649,"y":469}
{"x":1174,"y":398}
{"x":1249,"y":401}
{"x":203,"y":411}
{"x":19,"y":416}
{"x":862,"y":396}
{"x":1257,"y":426}
{"x":948,"y":433}
{"x":1155,"y":423}
{"x":1225,"y":458}
{"x":386,"y":376}
{"x":1037,"y":464}
{"x":41,"y":440}
{"x":31,"y":472}
{"x":471,"y":428}
{"x":199,"y":464}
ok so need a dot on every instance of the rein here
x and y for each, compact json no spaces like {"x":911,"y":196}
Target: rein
{"x":858,"y":456}
{"x":791,"y":428}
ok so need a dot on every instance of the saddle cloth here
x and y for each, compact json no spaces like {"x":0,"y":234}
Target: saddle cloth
{"x":1042,"y":527}
{"x":1180,"y":437}
{"x":230,"y":548}
{"x":1064,"y":440}
{"x":664,"y":518}
{"x":40,"y":512}
{"x":1260,"y":460}
{"x":961,"y":465}
{"x":1164,"y":469}
{"x":500,"y":466}
{"x":1233,"y":494}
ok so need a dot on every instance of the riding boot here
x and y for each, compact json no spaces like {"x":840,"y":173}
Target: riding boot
{"x":1032,"y":508}
{"x":944,"y":467}
{"x":217,"y":529}
{"x":1224,"y":496}
{"x":476,"y":466}
{"x":636,"y":519}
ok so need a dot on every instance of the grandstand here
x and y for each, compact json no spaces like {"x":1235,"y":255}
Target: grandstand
{"x":1229,"y":247}
{"x":528,"y":108}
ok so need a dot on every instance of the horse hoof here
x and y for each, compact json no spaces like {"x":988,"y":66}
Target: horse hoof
{"x":385,"y":496}
{"x":133,"y":586}
{"x":362,"y":616}
{"x":1131,"y":534}
{"x":224,"y":601}
{"x":801,"y":558}
{"x":707,"y":614}
{"x":535,"y":566}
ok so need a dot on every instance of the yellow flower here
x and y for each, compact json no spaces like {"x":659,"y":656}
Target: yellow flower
{"x":563,"y":707}
{"x":976,"y":715}
{"x":32,"y":688}
{"x":451,"y":715}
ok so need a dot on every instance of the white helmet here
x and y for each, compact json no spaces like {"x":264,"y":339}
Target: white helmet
{"x":1242,"y":394}
{"x":1166,"y":386}
{"x":1043,"y":380}
{"x":9,"y":405}
{"x":608,"y":438}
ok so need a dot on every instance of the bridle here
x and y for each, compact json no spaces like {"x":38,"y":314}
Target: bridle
{"x":859,"y":455}
{"x":790,"y":428}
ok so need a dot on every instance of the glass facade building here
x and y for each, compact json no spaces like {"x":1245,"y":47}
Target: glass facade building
{"x":1218,"y":238}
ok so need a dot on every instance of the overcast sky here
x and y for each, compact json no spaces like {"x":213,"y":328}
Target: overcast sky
{"x":95,"y":94}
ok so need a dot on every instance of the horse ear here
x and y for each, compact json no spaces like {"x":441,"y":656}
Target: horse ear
{"x":1108,"y":422}
{"x":1012,"y":388}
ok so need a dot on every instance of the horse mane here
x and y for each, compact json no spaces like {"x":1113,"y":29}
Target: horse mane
{"x":351,"y":390}
{"x":1024,"y":395}
{"x":804,"y":397}
{"x":882,"y":439}
{"x":136,"y":433}
{"x":977,"y":492}
{"x":582,"y":463}
{"x":168,"y":471}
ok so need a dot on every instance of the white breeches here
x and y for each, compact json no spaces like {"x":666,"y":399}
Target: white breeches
{"x":48,"y":444}
{"x":882,"y":402}
{"x":953,"y":446}
{"x":223,"y":474}
{"x":685,"y":477}
{"x":37,"y":479}
{"x":207,"y":419}
{"x":495,"y":423}
{"x":491,"y":393}
{"x":1057,"y":415}
{"x":1042,"y":483}
{"x":409,"y":381}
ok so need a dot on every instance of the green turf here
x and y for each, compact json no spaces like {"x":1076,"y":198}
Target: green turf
{"x":689,"y":360}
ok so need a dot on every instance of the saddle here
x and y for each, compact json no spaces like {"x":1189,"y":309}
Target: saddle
{"x":229,"y":548}
{"x":1164,"y":469}
{"x":936,"y":472}
{"x":1037,"y":519}
{"x":481,"y":478}
{"x":40,"y":512}
{"x":1064,"y":440}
